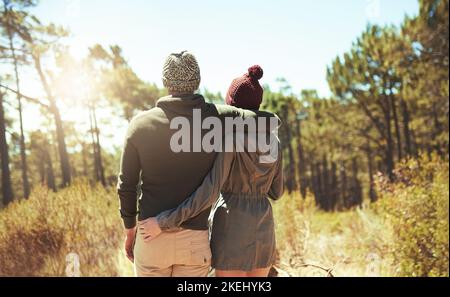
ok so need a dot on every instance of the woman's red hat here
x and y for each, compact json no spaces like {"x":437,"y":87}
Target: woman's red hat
{"x":245,"y":91}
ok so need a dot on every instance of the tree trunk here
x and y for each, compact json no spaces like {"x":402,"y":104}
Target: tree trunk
{"x":406,"y":129}
{"x":23,"y":155}
{"x":389,"y":155}
{"x":344,"y":187}
{"x":438,"y":128}
{"x":333,"y":186}
{"x":50,"y":174}
{"x":415,"y":145}
{"x":314,"y":183}
{"x":396,"y":126}
{"x":319,"y":183}
{"x":291,"y":178}
{"x":41,"y":170}
{"x":301,"y":161}
{"x":94,"y":147}
{"x":325,"y":184}
{"x":60,"y":137}
{"x":356,"y":185}
{"x":84,"y":158}
{"x":99,"y":149}
{"x":7,"y":190}
{"x":372,"y":192}
{"x":62,"y":149}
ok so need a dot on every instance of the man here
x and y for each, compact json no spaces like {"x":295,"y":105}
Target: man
{"x":168,"y":177}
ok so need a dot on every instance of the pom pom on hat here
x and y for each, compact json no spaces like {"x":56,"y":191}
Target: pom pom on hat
{"x":256,"y":72}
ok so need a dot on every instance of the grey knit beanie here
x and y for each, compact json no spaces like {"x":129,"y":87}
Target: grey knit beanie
{"x":181,"y":73}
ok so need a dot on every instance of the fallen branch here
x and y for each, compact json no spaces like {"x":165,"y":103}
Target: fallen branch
{"x":275,"y":272}
{"x":328,"y":271}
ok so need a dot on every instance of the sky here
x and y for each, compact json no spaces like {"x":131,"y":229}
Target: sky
{"x":294,"y":39}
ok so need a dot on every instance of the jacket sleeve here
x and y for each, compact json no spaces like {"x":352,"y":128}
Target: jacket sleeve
{"x":277,"y":187}
{"x":128,"y":180}
{"x":231,"y":111}
{"x":203,"y":198}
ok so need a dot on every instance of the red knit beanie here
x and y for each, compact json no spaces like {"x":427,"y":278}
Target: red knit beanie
{"x":246,"y":92}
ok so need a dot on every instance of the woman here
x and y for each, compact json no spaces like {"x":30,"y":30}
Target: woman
{"x":243,"y":235}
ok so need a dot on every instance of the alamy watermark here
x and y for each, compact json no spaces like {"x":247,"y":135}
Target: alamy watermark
{"x":236,"y":134}
{"x":373,"y":268}
{"x":373,"y":9}
{"x":73,"y":265}
{"x":72,"y":8}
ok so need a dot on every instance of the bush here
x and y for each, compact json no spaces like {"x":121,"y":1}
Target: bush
{"x":38,"y":234}
{"x":417,"y":206}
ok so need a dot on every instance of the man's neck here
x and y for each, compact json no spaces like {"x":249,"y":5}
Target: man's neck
{"x":175,"y":94}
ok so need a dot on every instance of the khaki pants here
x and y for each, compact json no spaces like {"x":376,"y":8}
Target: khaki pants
{"x":181,"y":253}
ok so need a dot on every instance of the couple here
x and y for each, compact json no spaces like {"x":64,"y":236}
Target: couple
{"x":177,"y":189}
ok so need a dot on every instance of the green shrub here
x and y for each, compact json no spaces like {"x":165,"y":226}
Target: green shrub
{"x":417,"y":206}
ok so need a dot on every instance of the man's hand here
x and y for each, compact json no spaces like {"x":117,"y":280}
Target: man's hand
{"x":149,"y":229}
{"x":129,"y":243}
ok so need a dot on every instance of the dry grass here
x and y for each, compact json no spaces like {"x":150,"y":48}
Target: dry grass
{"x":37,"y":235}
{"x":352,"y":243}
{"x":405,"y":233}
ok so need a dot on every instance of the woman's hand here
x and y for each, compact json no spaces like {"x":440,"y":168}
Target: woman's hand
{"x":149,"y":229}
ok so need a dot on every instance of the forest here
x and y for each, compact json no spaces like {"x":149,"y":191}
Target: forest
{"x":389,"y":107}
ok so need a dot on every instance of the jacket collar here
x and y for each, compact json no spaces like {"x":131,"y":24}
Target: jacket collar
{"x":182,"y":105}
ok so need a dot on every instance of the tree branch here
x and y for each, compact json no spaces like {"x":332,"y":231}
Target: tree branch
{"x":28,"y":98}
